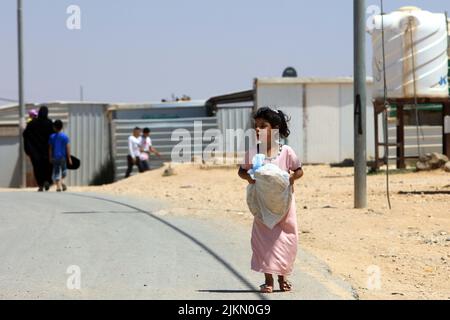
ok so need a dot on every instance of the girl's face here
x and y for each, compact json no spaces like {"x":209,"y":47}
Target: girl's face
{"x":263,"y":130}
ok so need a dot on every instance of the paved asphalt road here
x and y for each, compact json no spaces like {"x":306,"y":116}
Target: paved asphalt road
{"x":124,"y":251}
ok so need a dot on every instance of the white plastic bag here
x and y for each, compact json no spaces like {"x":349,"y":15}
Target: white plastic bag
{"x":269,"y":199}
{"x":143,"y":156}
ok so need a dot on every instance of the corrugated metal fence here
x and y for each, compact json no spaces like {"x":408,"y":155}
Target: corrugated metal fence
{"x":227,"y":117}
{"x":10,"y":116}
{"x":430,"y":139}
{"x":101,"y":144}
{"x":161,"y":135}
{"x":234,"y":117}
{"x":87,"y":127}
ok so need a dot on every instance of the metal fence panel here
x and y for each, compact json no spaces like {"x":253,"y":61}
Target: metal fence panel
{"x":10,"y":115}
{"x":430,"y":139}
{"x":89,"y":136}
{"x":9,"y":157}
{"x":234,"y":117}
{"x":161,"y":135}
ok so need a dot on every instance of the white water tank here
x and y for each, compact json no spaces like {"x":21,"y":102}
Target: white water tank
{"x":416,"y":55}
{"x":448,"y":39}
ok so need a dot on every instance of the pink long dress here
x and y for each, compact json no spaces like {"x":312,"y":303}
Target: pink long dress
{"x":274,"y":251}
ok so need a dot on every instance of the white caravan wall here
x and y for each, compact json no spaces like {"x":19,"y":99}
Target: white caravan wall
{"x":288,"y":97}
{"x":322,"y":115}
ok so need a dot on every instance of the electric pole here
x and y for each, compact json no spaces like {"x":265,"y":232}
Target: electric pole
{"x":359,"y":8}
{"x":22,"y":122}
{"x":81,"y":94}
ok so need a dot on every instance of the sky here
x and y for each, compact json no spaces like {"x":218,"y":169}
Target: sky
{"x":147,"y":50}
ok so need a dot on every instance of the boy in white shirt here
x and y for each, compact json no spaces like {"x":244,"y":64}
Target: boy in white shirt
{"x":134,"y":151}
{"x":146,"y":149}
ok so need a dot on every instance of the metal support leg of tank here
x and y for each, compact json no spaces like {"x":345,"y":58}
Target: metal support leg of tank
{"x":446,"y":128}
{"x":400,"y":138}
{"x":376,"y":165}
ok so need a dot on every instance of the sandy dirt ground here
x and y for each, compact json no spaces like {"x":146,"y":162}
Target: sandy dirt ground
{"x":403,"y":253}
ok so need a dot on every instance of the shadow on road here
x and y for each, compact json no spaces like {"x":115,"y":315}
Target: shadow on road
{"x":93,"y":212}
{"x":435,"y":192}
{"x":211,"y":252}
{"x":229,"y":291}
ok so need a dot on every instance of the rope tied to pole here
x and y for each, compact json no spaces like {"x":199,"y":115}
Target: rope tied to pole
{"x":416,"y":104}
{"x":386,"y":108}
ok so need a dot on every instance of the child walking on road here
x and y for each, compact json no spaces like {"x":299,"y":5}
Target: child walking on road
{"x":274,"y":250}
{"x":59,"y":155}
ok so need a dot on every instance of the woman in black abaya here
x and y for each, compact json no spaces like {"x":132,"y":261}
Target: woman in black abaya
{"x":36,"y":137}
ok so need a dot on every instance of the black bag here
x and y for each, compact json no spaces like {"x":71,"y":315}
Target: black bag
{"x":75,"y":163}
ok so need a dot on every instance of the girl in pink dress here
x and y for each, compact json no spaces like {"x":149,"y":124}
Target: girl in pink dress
{"x":274,"y":250}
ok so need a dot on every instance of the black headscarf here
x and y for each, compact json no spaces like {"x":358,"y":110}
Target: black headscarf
{"x":43,"y":113}
{"x":37,"y":134}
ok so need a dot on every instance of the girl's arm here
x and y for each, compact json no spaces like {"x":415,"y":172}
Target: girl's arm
{"x":69,"y":155}
{"x":296,"y":175}
{"x":245,"y":176}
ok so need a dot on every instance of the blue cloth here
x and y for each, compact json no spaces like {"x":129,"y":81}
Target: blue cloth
{"x":59,"y":142}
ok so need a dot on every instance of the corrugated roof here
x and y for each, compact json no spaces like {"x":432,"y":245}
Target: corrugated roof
{"x":8,"y":106}
{"x":38,"y":104}
{"x":133,"y":106}
{"x":115,"y":106}
{"x":306,"y":80}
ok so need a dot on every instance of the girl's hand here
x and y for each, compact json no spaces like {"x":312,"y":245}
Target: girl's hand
{"x":243,"y":174}
{"x":295,"y":176}
{"x":292,"y":179}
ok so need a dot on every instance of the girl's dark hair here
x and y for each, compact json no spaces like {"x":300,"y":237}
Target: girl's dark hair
{"x":276,"y":118}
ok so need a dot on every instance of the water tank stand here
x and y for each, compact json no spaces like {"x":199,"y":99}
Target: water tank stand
{"x":379,"y":107}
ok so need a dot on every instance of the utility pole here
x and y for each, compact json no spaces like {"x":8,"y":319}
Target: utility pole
{"x":81,"y":93}
{"x":359,"y":23}
{"x":22,"y":122}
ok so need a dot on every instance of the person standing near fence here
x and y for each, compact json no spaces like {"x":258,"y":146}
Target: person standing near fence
{"x":146,"y":149}
{"x":134,"y":152}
